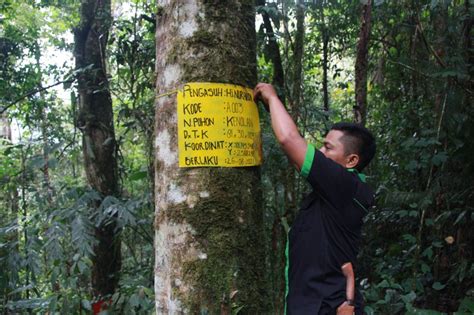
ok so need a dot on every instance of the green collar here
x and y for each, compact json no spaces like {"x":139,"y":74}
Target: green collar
{"x":362,"y":176}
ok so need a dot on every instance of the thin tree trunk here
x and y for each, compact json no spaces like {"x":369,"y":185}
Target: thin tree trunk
{"x":278,"y":239}
{"x":440,"y":27}
{"x":414,"y":40}
{"x":325,"y":65}
{"x":360,"y":108}
{"x":291,"y":199}
{"x":274,"y":50}
{"x":209,"y":251}
{"x":12,"y":203}
{"x":298,"y":59}
{"x":48,"y":191}
{"x":467,"y":45}
{"x":96,"y":123}
{"x":5,"y":130}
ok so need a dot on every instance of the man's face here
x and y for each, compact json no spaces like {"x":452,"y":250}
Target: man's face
{"x":333,"y":148}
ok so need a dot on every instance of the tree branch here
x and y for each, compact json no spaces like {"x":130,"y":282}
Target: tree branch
{"x":4,"y":109}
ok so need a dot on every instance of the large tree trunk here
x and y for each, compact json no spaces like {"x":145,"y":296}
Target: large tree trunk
{"x":96,"y":123}
{"x":360,"y":108}
{"x":209,"y":236}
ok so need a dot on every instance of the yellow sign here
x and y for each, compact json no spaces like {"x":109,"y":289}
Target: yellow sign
{"x":218,"y":126}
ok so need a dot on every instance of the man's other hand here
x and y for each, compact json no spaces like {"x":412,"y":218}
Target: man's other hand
{"x":345,"y":309}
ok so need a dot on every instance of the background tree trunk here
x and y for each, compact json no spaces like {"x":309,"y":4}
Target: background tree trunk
{"x":96,"y":123}
{"x":209,"y":251}
{"x":360,"y":109}
{"x":273,"y":50}
{"x":325,"y":65}
{"x":298,"y":59}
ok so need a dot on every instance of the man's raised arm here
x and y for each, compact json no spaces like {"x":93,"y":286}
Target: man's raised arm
{"x":286,"y":132}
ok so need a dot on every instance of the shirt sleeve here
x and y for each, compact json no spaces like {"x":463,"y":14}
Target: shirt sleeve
{"x":328,"y":178}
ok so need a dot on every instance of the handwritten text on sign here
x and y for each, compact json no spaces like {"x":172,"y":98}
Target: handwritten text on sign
{"x":218,"y":125}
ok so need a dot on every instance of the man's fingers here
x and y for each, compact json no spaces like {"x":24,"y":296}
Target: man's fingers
{"x":263,"y":92}
{"x":257,"y":92}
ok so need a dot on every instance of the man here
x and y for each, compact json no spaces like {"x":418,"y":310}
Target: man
{"x":323,"y":239}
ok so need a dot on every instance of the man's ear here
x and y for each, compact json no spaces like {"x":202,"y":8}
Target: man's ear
{"x":352,"y":160}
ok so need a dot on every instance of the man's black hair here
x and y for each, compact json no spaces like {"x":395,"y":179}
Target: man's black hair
{"x":358,"y":140}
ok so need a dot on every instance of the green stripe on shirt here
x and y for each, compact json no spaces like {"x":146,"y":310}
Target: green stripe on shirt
{"x":361,"y":176}
{"x":308,"y":161}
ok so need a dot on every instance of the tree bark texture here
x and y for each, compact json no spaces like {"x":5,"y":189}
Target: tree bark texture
{"x":440,"y":28}
{"x":467,"y":38}
{"x":42,"y":108}
{"x":273,"y":50}
{"x":325,"y":68}
{"x":96,"y":123}
{"x":291,"y":199}
{"x":11,"y":201}
{"x":209,"y":252}
{"x":5,"y":130}
{"x":298,"y":59}
{"x":360,"y":108}
{"x":468,"y":53}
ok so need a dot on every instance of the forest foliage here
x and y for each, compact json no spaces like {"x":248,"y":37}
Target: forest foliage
{"x":417,"y":255}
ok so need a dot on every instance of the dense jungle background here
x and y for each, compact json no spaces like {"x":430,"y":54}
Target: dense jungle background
{"x":78,"y":177}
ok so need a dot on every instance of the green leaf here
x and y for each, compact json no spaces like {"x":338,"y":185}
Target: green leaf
{"x":460,"y":217}
{"x":369,"y":310}
{"x":425,"y":268}
{"x":82,"y":266}
{"x":428,"y":252}
{"x":467,"y":305}
{"x":383,"y":284}
{"x":138,"y":175}
{"x":21,"y":289}
{"x":27,"y":304}
{"x":409,"y":238}
{"x":37,"y":162}
{"x":402,"y":213}
{"x":417,"y":311}
{"x":134,"y":300}
{"x":86,"y":304}
{"x":236,"y":309}
{"x":439,"y":158}
{"x":438,"y":286}
{"x":408,"y":298}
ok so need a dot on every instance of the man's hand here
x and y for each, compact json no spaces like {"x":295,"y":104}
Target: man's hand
{"x":345,"y":309}
{"x":266,"y":93}
{"x":283,"y":125}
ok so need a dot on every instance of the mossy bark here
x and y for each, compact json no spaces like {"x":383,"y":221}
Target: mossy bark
{"x":98,"y":137}
{"x":209,"y":222}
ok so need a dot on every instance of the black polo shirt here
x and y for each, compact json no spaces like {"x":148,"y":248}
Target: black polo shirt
{"x":325,"y":235}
